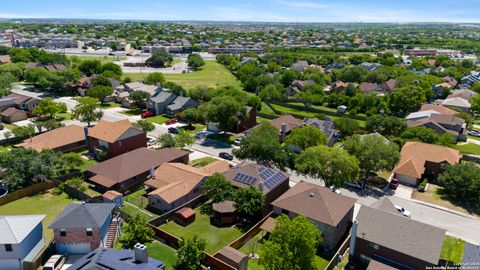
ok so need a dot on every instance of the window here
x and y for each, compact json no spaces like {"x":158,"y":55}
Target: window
{"x":373,"y":246}
{"x":8,"y":248}
{"x":364,"y":258}
{"x":89,"y":231}
{"x":63,"y":232}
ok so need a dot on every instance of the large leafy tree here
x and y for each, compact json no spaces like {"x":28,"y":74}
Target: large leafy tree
{"x":406,"y":99}
{"x":87,"y":110}
{"x":195,"y":61}
{"x":421,"y":133}
{"x":386,"y":125}
{"x":166,"y":140}
{"x":6,"y":80}
{"x":144,"y":125}
{"x":333,"y":165}
{"x":249,"y":201}
{"x":47,"y":108}
{"x":305,"y":137}
{"x":227,"y":111}
{"x":347,"y":126}
{"x":263,"y":146}
{"x":462,"y":182}
{"x":159,"y":59}
{"x":374,"y":153}
{"x":184,"y":138}
{"x":111,"y":68}
{"x":139,"y":97}
{"x":217,"y":188}
{"x":90,"y":67}
{"x":190,"y":253}
{"x":292,"y":245}
{"x":100,"y":92}
{"x":136,"y":231}
{"x":154,"y":78}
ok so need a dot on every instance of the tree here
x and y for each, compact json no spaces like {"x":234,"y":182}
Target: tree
{"x":34,"y":75}
{"x":136,"y":231}
{"x":292,"y":245}
{"x":195,"y":61}
{"x":226,"y":111}
{"x":100,"y":92}
{"x":406,"y":99}
{"x":23,"y":132}
{"x":101,"y":80}
{"x":184,"y":138}
{"x":90,"y":67}
{"x":263,"y":146}
{"x":217,"y":188}
{"x":475,"y":101}
{"x":385,"y":125}
{"x":374,"y":153}
{"x":6,"y":80}
{"x":111,"y":68}
{"x":306,"y":136}
{"x":155,"y":78}
{"x":462,"y":181}
{"x":144,"y":125}
{"x":347,"y":126}
{"x":190,"y":253}
{"x":190,"y":115}
{"x":421,"y":133}
{"x":202,"y":94}
{"x":87,"y":110}
{"x":249,"y":201}
{"x":72,"y":160}
{"x":333,"y":165}
{"x":272,"y":92}
{"x":166,"y":141}
{"x":159,"y":59}
{"x":47,"y":107}
{"x":446,"y":140}
{"x":139,"y":97}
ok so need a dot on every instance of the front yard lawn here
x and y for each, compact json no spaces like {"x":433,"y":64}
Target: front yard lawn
{"x":163,"y":253}
{"x":201,"y":162}
{"x":133,"y":111}
{"x":216,"y":237}
{"x":42,"y":203}
{"x":222,"y":137}
{"x":158,"y":119}
{"x":108,"y":105}
{"x":468,"y":148}
{"x":195,"y":127}
{"x":452,"y":249}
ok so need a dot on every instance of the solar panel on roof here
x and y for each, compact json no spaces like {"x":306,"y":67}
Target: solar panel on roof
{"x":274,"y":180}
{"x":245,"y":179}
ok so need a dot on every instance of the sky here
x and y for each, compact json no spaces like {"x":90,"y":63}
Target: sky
{"x":249,"y":10}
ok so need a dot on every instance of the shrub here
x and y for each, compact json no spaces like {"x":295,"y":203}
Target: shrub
{"x":422,"y":185}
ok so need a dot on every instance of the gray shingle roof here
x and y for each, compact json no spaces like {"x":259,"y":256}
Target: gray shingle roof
{"x":83,"y":215}
{"x":178,"y":103}
{"x":162,"y":97}
{"x":15,"y":228}
{"x":399,"y":233}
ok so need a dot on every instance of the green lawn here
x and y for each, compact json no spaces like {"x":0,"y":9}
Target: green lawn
{"x":137,"y":198}
{"x":246,"y":249}
{"x":196,"y":127}
{"x":213,"y":74}
{"x":162,"y":252}
{"x":108,"y":105}
{"x":158,"y":119}
{"x":133,"y":111}
{"x":223,"y":138}
{"x":201,"y":162}
{"x":321,"y":262}
{"x":469,"y":148}
{"x":452,"y":249}
{"x":104,"y":59}
{"x":133,"y":212}
{"x":216,"y":237}
{"x":44,"y":203}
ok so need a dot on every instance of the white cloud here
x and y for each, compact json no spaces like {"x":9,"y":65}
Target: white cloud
{"x":297,"y":4}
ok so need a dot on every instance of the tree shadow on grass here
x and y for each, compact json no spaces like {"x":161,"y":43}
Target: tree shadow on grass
{"x":460,"y":202}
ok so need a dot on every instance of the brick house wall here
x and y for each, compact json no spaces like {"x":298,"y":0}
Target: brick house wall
{"x":274,"y":194}
{"x":77,"y":236}
{"x":121,"y":146}
{"x":249,"y":123}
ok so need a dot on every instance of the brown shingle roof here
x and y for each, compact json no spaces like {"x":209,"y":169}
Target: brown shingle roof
{"x":224,"y":207}
{"x":401,"y":234}
{"x":315,"y":202}
{"x":288,"y":119}
{"x":376,"y":265}
{"x":130,"y":164}
{"x":414,"y":155}
{"x":269,"y":224}
{"x":11,"y":111}
{"x":111,"y":194}
{"x":5,"y":59}
{"x":232,"y":254}
{"x":217,"y":166}
{"x":55,"y":138}
{"x":110,"y":131}
{"x":438,"y":108}
{"x":185,"y":212}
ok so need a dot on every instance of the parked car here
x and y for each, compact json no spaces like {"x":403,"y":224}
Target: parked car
{"x":393,"y":183}
{"x":146,"y":114}
{"x":226,"y":155}
{"x":174,"y":130}
{"x":54,"y":263}
{"x":171,"y":122}
{"x":474,"y":133}
{"x":203,"y":134}
{"x":1,"y":126}
{"x":238,"y":141}
{"x":151,"y":141}
{"x":335,"y":189}
{"x":404,"y":212}
{"x":3,"y":190}
{"x":355,"y":185}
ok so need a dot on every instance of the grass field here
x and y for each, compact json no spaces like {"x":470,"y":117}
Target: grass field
{"x":216,"y":237}
{"x":108,"y":105}
{"x":469,"y":148}
{"x":43,"y":203}
{"x":452,"y":249}
{"x":213,"y":74}
{"x":160,"y":251}
{"x":103,"y":59}
{"x":201,"y":162}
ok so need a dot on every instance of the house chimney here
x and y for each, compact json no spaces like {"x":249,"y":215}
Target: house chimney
{"x":260,"y":186}
{"x":152,"y":172}
{"x":180,"y":93}
{"x":283,"y":130}
{"x":85,"y":131}
{"x":141,"y":253}
{"x":353,"y":238}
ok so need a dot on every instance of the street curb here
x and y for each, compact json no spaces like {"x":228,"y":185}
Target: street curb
{"x":444,"y":209}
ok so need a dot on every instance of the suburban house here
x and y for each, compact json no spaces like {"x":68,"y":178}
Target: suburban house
{"x":82,"y":227}
{"x":421,"y":160}
{"x":174,"y":184}
{"x":459,"y":100}
{"x":330,"y":212}
{"x":242,"y":126}
{"x":109,"y":258}
{"x":21,"y":240}
{"x":271,"y":182}
{"x":132,"y":168}
{"x":327,"y":126}
{"x":438,"y":108}
{"x":368,"y":88}
{"x":441,"y":123}
{"x":394,"y":240}
{"x":16,"y":107}
{"x":84,"y":83}
{"x":451,"y":81}
{"x":115,"y":138}
{"x":158,"y":104}
{"x":471,"y":78}
{"x":297,"y":86}
{"x":12,"y":115}
{"x":179,"y":104}
{"x":5,"y":59}
{"x":123,"y":92}
{"x":370,"y":66}
{"x":299,"y":66}
{"x":339,"y":86}
{"x":285,"y":124}
{"x":389,"y":85}
{"x":63,"y":139}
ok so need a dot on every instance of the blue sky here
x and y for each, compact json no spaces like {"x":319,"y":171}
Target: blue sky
{"x":249,"y":10}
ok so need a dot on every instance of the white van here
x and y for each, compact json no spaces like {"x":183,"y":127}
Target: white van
{"x":54,"y":263}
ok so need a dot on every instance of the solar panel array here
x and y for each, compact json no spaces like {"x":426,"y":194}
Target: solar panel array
{"x":245,"y":179}
{"x":265,"y":173}
{"x":274,"y":180}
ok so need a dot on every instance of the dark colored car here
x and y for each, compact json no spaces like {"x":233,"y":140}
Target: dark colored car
{"x":393,"y":183}
{"x":1,"y":126}
{"x":146,"y":114}
{"x":173,"y":130}
{"x":226,"y":155}
{"x":171,"y":121}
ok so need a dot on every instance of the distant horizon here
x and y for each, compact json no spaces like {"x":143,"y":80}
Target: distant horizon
{"x":264,"y":11}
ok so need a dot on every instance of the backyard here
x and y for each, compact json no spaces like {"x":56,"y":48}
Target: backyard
{"x":452,"y":249}
{"x":163,"y":253}
{"x":216,"y":237}
{"x":212,"y":74}
{"x":135,"y":204}
{"x":468,"y":148}
{"x":43,"y":203}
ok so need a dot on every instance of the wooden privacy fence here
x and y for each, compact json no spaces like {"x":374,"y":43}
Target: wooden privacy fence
{"x":24,"y":192}
{"x":244,"y":238}
{"x":341,"y":250}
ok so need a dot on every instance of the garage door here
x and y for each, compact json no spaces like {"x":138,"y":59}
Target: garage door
{"x":406,"y":180}
{"x":74,"y":249}
{"x":10,"y":264}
